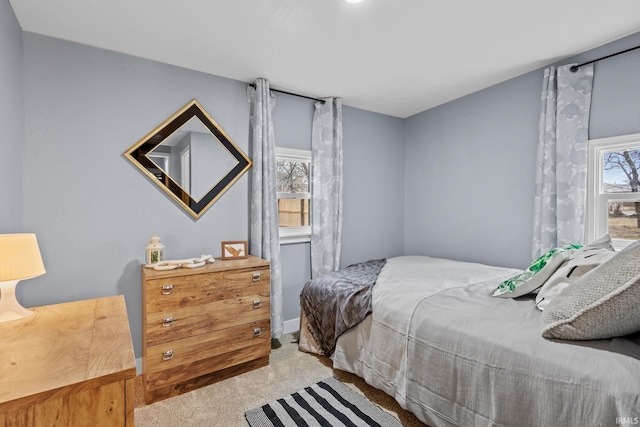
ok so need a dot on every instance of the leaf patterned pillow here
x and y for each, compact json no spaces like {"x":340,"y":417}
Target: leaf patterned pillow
{"x":535,"y":276}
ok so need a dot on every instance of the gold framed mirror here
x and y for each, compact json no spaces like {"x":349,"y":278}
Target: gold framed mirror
{"x":191,"y":158}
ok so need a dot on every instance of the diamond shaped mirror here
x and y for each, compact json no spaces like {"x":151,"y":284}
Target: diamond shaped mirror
{"x":190,"y":158}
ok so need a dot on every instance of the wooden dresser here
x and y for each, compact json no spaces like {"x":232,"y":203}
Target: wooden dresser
{"x":68,"y":364}
{"x":204,"y":324}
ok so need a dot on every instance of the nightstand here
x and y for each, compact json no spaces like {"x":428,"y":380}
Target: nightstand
{"x":68,"y":364}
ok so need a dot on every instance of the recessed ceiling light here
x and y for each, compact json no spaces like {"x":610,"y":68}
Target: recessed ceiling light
{"x":355,"y":1}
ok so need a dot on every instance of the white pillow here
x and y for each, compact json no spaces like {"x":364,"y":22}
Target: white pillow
{"x":543,"y":268}
{"x":579,"y":263}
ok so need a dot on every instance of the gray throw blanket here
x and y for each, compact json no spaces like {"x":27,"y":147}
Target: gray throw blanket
{"x":339,"y":300}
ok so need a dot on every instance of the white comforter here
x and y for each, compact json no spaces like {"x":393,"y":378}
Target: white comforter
{"x":453,"y":355}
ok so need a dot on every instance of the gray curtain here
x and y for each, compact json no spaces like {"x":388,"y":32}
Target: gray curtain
{"x":263,"y":214}
{"x":326,"y":187}
{"x":561,"y":170}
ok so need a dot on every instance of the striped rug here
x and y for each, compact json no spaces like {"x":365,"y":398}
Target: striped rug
{"x":328,"y":403}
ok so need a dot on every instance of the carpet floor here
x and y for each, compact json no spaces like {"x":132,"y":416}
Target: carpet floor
{"x":223,"y":404}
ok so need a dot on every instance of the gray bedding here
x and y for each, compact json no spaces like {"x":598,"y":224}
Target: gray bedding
{"x":455,"y":356}
{"x":483,"y":361}
{"x":337,"y":301}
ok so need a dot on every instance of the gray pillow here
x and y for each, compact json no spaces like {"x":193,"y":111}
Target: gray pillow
{"x":604,"y":303}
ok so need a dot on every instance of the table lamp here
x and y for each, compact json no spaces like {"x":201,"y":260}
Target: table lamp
{"x":19,"y":259}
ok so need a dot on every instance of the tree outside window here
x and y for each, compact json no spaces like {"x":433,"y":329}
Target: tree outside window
{"x":294,"y":194}
{"x":620,"y":176}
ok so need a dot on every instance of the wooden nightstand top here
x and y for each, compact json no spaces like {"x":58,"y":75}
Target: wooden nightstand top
{"x":64,"y":348}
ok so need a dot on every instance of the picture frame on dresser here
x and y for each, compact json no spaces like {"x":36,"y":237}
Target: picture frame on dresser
{"x":236,"y":249}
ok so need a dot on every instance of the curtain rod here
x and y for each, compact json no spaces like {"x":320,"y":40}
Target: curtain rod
{"x":575,"y":67}
{"x":253,"y":85}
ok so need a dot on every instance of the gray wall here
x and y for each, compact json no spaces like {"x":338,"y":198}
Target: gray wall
{"x":373,"y":180}
{"x":94,"y":212}
{"x":11,"y":121}
{"x":470,"y":164}
{"x":615,"y":102}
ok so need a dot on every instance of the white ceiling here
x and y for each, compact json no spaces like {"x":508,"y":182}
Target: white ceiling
{"x":396,"y":57}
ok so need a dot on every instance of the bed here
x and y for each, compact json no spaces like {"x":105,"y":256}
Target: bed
{"x":448,"y":351}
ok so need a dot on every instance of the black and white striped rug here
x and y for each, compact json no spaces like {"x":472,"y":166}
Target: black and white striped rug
{"x":328,"y":403}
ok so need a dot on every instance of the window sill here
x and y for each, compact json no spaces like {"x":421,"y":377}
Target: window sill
{"x":289,"y":235}
{"x":619,"y":244}
{"x":294,"y":239}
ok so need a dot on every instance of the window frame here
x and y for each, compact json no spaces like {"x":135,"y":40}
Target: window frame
{"x":596,"y":221}
{"x":289,"y":235}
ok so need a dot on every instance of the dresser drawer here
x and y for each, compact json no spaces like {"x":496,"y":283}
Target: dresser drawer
{"x":185,"y":359}
{"x":188,"y":321}
{"x":179,"y":307}
{"x":169,"y":293}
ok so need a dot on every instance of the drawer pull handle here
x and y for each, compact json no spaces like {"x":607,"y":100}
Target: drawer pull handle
{"x":257,"y":332}
{"x":167,"y":355}
{"x":167,"y":289}
{"x":256,"y":304}
{"x":167,"y":321}
{"x":256,"y":277}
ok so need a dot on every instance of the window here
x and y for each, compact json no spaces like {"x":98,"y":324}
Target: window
{"x":294,"y":194}
{"x":613,"y":189}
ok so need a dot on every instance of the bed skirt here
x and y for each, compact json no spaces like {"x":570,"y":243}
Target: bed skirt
{"x":306,"y":342}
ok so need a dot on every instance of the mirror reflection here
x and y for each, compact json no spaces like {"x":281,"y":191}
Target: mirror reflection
{"x":191,"y":158}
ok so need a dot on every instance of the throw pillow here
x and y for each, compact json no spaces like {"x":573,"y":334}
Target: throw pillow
{"x":535,"y":276}
{"x":579,"y":263}
{"x":601,"y":304}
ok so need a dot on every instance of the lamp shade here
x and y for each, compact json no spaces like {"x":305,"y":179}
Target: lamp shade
{"x":19,"y":257}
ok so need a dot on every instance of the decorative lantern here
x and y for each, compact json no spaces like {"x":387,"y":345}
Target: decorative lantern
{"x":155,"y":252}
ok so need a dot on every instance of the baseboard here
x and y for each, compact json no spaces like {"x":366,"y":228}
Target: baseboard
{"x":291,"y":326}
{"x":139,"y":366}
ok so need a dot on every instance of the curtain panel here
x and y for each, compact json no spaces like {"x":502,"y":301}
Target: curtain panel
{"x":263,"y":213}
{"x":326,"y":187}
{"x":561,"y":169}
